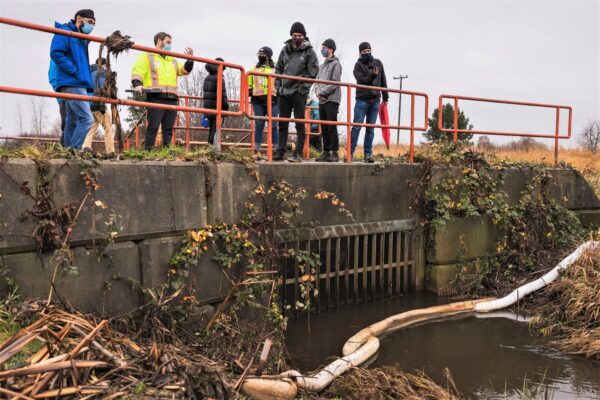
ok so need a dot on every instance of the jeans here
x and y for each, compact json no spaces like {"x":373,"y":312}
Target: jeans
{"x":163,"y":118}
{"x":364,"y":109}
{"x":78,"y":118}
{"x":260,"y":110}
{"x":296,"y":103}
{"x":328,"y":112}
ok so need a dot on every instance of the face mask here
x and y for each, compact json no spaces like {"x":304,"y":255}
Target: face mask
{"x":262,"y":59}
{"x":167,"y":47}
{"x":298,"y":41}
{"x":87,"y":28}
{"x":325,"y":53}
{"x":366,"y":57}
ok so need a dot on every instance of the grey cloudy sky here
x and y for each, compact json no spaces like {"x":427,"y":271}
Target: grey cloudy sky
{"x":538,"y":51}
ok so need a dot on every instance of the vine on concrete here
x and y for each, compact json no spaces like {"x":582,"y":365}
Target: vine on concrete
{"x":459,"y":182}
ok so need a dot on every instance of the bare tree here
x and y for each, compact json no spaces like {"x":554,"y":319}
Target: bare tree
{"x":484,"y":143}
{"x":20,"y":117}
{"x":590,"y":136}
{"x":38,"y":117}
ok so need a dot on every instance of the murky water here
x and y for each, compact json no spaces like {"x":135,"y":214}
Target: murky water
{"x":490,"y":358}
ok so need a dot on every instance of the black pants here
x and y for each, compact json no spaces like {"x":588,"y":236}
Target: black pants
{"x":328,"y":112}
{"x":212,"y":128}
{"x":163,"y":118}
{"x":287,"y":104}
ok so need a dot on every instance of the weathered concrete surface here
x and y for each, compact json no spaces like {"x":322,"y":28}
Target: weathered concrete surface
{"x":371,"y":192}
{"x":206,"y":278}
{"x":463,"y":239}
{"x":16,"y":227}
{"x":149,"y":198}
{"x":439,"y":278}
{"x":229,"y":187}
{"x":102,"y":283}
{"x":567,"y":186}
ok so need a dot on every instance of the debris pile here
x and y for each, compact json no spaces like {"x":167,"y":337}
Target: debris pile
{"x":76,"y":356}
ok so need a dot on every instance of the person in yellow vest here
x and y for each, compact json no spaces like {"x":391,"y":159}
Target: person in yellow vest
{"x":156,"y":75}
{"x":258,"y":92}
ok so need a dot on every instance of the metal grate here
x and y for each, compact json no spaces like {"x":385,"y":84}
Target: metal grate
{"x":359,"y":262}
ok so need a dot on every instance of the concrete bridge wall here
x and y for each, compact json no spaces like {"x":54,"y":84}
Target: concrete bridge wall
{"x":157,"y":201}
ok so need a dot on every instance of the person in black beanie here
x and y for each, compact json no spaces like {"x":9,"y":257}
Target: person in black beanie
{"x":297,"y":58}
{"x":367,"y":71}
{"x":329,"y":97}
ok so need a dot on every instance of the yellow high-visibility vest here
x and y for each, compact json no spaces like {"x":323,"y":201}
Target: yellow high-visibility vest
{"x":157,"y":72}
{"x":259,"y":84}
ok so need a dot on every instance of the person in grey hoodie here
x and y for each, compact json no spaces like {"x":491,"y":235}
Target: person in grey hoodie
{"x":297,"y":58}
{"x":329,"y":97}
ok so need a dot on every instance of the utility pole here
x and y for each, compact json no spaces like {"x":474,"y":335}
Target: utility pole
{"x":400,"y":77}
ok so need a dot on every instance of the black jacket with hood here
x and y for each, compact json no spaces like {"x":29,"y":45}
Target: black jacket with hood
{"x":209,"y":90}
{"x":301,"y":61}
{"x":364,"y":76}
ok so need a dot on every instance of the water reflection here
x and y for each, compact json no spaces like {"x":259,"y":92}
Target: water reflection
{"x":491,"y":357}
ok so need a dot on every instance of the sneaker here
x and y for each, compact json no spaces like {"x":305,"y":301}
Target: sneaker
{"x":296,"y":157}
{"x":333,"y":157}
{"x":279,"y":156}
{"x":369,"y":158}
{"x":110,"y":156}
{"x":323,"y":157}
{"x":257,"y":156}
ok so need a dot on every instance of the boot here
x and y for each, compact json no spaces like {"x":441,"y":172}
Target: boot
{"x":279,"y":155}
{"x":296,"y":157}
{"x":333,"y":157}
{"x":323,"y":157}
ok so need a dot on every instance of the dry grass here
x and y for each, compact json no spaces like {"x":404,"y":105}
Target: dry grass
{"x":571,"y":310}
{"x":388,"y":383}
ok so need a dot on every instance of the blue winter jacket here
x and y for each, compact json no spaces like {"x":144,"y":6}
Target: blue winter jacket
{"x":69,"y":60}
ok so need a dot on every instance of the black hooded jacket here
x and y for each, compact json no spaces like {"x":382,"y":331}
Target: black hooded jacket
{"x":364,"y":76}
{"x":209,"y":90}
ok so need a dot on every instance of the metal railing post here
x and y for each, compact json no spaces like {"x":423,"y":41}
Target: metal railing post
{"x":270,"y":118}
{"x":412,"y":128}
{"x":349,"y":124}
{"x":306,"y":150}
{"x":455,"y":123}
{"x":187,"y":126}
{"x":556,"y":131}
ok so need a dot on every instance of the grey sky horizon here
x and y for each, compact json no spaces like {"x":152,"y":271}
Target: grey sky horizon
{"x":534,"y":51}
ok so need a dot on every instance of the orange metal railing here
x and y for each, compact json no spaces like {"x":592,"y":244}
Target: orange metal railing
{"x":348,"y":123}
{"x":246,"y":111}
{"x":455,"y":131}
{"x":221,"y":64}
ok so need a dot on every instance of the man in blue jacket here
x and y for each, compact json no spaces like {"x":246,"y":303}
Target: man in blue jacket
{"x":70,"y":73}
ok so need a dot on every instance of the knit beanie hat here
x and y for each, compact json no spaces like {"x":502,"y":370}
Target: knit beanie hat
{"x":297,"y":27}
{"x":364,"y":45}
{"x":86,"y":13}
{"x":330,"y":44}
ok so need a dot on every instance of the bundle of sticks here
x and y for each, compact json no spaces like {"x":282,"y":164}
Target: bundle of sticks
{"x":71,"y":355}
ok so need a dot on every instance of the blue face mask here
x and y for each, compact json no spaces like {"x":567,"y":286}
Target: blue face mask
{"x":366,"y":57}
{"x":167,"y":47}
{"x":87,"y":28}
{"x":324,"y":52}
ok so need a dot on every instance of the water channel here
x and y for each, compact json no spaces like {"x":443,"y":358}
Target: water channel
{"x":487,"y":357}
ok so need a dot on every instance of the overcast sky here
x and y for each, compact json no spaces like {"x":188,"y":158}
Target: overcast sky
{"x":537,"y":51}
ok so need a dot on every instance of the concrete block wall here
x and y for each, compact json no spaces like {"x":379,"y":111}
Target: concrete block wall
{"x":446,"y":256}
{"x":156,"y":202}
